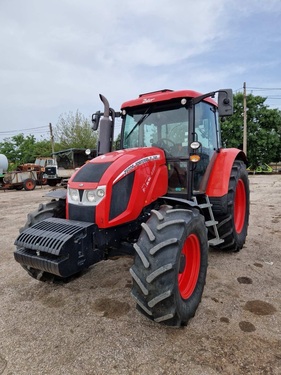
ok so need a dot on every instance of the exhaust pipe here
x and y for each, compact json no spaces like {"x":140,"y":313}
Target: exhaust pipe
{"x":106,"y":129}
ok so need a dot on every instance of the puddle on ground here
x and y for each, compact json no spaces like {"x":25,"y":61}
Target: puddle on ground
{"x":258,"y":307}
{"x":244,"y":280}
{"x":111,"y":308}
{"x":246,"y":326}
{"x":259,"y":265}
{"x":224,"y":319}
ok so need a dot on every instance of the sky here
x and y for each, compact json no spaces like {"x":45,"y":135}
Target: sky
{"x":57,"y":56}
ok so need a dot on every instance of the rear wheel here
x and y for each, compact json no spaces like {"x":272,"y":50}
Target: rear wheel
{"x":232,"y":210}
{"x":29,"y":184}
{"x":55,"y":208}
{"x":170,"y":265}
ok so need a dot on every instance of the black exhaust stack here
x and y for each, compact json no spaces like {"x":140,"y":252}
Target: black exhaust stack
{"x":106,"y":128}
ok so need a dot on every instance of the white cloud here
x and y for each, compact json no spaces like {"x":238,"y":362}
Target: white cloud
{"x":58,"y":56}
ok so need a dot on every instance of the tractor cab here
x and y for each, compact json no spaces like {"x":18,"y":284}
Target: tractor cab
{"x":186,"y":128}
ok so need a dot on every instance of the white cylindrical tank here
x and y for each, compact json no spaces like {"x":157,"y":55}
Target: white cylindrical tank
{"x":3,"y":164}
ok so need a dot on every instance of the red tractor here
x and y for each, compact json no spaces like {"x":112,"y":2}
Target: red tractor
{"x":167,"y":193}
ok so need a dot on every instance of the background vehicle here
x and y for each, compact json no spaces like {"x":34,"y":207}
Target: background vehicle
{"x":166,"y":195}
{"x":261,"y":168}
{"x":25,"y":177}
{"x":65,"y":163}
{"x":38,"y":166}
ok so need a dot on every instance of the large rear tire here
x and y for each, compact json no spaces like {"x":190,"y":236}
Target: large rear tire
{"x":55,"y":208}
{"x":232,"y":210}
{"x":170,"y":266}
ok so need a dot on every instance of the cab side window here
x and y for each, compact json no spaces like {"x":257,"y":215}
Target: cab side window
{"x":206,"y":133}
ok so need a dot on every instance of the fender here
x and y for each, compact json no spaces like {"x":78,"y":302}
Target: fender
{"x":218,"y":182}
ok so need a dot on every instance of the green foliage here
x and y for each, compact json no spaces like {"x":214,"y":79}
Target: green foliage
{"x":263,"y":130}
{"x":74,"y":130}
{"x":20,"y":149}
{"x":116,"y":143}
{"x":43,"y":148}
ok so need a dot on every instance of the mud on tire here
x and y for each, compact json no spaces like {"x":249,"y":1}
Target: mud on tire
{"x":170,"y":265}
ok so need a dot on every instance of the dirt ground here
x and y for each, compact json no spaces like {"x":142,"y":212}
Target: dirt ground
{"x":91,"y":326}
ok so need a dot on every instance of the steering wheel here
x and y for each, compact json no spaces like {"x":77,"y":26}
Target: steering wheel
{"x":164,"y":143}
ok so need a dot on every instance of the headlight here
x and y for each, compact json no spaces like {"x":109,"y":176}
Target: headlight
{"x":74,"y":194}
{"x":91,"y":195}
{"x":95,"y":196}
{"x":100,"y":193}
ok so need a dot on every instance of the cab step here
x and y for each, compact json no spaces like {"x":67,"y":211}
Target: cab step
{"x":206,"y":205}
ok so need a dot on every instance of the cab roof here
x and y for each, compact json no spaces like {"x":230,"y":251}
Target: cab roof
{"x":164,"y":95}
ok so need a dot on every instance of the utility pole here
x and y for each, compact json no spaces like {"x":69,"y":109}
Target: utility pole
{"x":245,"y":118}
{"x":52,"y":139}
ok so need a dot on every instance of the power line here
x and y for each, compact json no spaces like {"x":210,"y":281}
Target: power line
{"x":240,"y":89}
{"x":253,"y":88}
{"x":264,"y":88}
{"x":26,"y":129}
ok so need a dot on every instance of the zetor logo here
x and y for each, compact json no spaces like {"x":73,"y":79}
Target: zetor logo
{"x":148,"y":100}
{"x":136,"y":164}
{"x":140,"y":162}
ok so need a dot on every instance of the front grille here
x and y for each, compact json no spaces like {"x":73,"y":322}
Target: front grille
{"x":50,"y":171}
{"x":82,"y":213}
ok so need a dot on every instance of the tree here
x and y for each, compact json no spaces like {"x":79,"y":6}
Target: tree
{"x":20,"y":149}
{"x":42,"y":148}
{"x":263,"y":130}
{"x":74,"y":131}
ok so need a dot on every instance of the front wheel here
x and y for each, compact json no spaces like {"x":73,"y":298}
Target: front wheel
{"x":170,"y":266}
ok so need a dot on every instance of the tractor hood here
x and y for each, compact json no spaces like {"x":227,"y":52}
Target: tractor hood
{"x":113,"y":188}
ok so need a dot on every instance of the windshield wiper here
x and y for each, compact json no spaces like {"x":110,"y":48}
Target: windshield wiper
{"x":141,"y":120}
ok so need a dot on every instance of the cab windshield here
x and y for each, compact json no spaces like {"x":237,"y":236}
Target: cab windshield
{"x":167,"y":129}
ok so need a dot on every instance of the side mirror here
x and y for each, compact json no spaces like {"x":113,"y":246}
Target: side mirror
{"x":96,"y":119}
{"x":225,"y":102}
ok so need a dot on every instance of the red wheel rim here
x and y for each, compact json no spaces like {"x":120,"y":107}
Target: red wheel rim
{"x":30,"y":185}
{"x":188,"y":276}
{"x":239,"y":206}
